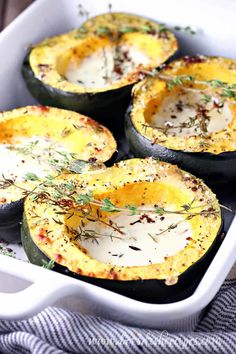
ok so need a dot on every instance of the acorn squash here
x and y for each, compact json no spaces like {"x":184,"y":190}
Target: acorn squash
{"x":135,"y":228}
{"x":186,"y":115}
{"x":91,"y":67}
{"x":40,"y":142}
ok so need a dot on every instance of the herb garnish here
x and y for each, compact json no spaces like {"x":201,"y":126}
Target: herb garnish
{"x":90,"y":209}
{"x":31,"y":177}
{"x":215,"y":92}
{"x":186,"y":29}
{"x":161,"y":31}
{"x":5,"y":182}
{"x":26,"y":149}
{"x":223,"y":89}
{"x":48,"y":265}
{"x":6,"y":251}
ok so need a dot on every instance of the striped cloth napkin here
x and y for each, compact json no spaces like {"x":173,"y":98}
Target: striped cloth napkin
{"x":57,"y":331}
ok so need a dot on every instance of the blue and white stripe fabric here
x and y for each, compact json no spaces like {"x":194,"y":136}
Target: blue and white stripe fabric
{"x":57,"y":331}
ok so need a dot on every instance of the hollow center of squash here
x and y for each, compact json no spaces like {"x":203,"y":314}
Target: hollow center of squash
{"x":36,"y":142}
{"x":189,"y":112}
{"x":26,"y":158}
{"x":104,"y":66}
{"x":145,"y":237}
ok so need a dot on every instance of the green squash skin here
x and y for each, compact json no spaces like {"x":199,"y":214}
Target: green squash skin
{"x":150,"y":291}
{"x":10,"y":220}
{"x":213,"y":168}
{"x":85,"y":103}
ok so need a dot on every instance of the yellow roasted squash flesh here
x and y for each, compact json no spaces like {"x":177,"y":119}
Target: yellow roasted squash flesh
{"x":149,"y":97}
{"x":68,"y":136}
{"x":49,"y":59}
{"x":135,"y":183}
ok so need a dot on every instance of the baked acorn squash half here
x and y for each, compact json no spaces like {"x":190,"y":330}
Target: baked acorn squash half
{"x":135,"y":228}
{"x":186,"y":114}
{"x":38,"y":143}
{"x":91,"y":67}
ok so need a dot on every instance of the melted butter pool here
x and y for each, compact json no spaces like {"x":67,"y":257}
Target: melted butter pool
{"x":29,"y":155}
{"x":185,"y":113}
{"x":144,"y":239}
{"x":105,"y":66}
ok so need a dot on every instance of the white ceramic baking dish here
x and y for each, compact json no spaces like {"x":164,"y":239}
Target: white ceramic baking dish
{"x":25,"y":288}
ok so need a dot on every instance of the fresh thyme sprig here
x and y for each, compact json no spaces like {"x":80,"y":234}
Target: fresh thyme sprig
{"x":87,"y":234}
{"x":186,"y":29}
{"x":106,"y":205}
{"x":121,"y":29}
{"x":67,"y":190}
{"x":216,"y":92}
{"x":200,"y":122}
{"x":88,"y":215}
{"x":27,"y":149}
{"x":88,"y":208}
{"x":48,"y":265}
{"x":29,"y":176}
{"x":223,"y":89}
{"x":176,"y":80}
{"x":6,"y":252}
{"x":57,"y":160}
{"x":161,"y":31}
{"x":227,"y":208}
{"x":66,"y":197}
{"x":83,"y":12}
{"x":206,"y":98}
{"x":6,"y":182}
{"x":61,"y":160}
{"x":170,"y":227}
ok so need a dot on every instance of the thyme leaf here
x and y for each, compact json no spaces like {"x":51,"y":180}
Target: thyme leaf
{"x":6,"y":252}
{"x":188,"y":206}
{"x":132,"y":208}
{"x":186,"y":29}
{"x":84,"y":199}
{"x":178,"y":81}
{"x":206,"y":98}
{"x":48,"y":265}
{"x":26,"y":149}
{"x":29,"y":176}
{"x":160,"y":210}
{"x":223,"y":89}
{"x":108,"y":206}
{"x":5,"y":182}
{"x":103,"y":30}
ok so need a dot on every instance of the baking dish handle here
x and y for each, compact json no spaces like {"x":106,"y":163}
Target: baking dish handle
{"x":46,"y":287}
{"x":33,"y":299}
